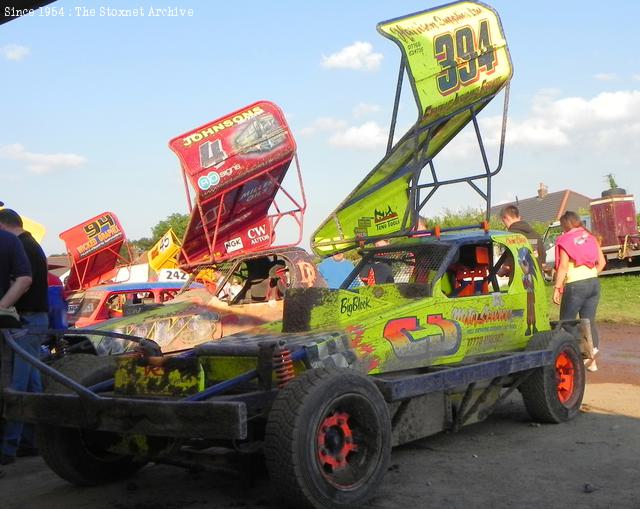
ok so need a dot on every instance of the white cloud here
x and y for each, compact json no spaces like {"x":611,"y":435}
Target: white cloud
{"x":567,"y":142}
{"x":605,"y":76}
{"x":367,"y":136}
{"x":323,"y":124}
{"x":14,"y":52}
{"x":580,"y":114}
{"x":41,"y":163}
{"x":536,"y":132}
{"x":363,"y":137}
{"x":358,"y":56}
{"x":608,"y":122}
{"x":362,"y":109}
{"x":636,"y":77}
{"x":571,"y":121}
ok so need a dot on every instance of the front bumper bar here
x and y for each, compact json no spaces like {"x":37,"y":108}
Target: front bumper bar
{"x":182,"y":419}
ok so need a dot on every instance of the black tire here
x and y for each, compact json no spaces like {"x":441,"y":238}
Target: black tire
{"x":328,"y":439}
{"x":554,"y":393}
{"x":80,"y":456}
{"x":84,"y":368}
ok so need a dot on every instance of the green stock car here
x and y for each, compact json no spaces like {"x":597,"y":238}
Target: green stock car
{"x":430,"y":331}
{"x":427,"y":334}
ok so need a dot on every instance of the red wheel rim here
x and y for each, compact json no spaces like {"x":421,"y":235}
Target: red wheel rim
{"x":335,"y":442}
{"x":565,"y":377}
{"x":347,"y":442}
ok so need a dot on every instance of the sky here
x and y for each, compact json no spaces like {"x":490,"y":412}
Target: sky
{"x":89,"y":101}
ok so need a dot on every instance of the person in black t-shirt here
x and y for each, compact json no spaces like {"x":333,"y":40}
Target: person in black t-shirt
{"x":15,"y":273}
{"x":15,"y":270}
{"x":510,"y":216}
{"x":33,"y":307}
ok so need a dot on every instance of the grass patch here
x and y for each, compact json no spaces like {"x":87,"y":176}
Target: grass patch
{"x":619,"y":300}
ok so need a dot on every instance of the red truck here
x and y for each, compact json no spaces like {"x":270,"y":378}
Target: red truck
{"x":613,"y":219}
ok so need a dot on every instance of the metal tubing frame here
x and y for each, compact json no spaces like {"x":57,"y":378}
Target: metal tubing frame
{"x":297,"y":213}
{"x":454,"y":377}
{"x":80,"y":390}
{"x":419,"y":162}
{"x":406,"y":387}
{"x":119,"y":259}
{"x":90,"y":392}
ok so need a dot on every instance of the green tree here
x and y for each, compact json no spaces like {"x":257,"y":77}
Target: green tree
{"x":468,"y":217}
{"x":176,"y":221}
{"x":143,"y":244}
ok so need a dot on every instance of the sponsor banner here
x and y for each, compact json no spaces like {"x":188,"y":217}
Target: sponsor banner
{"x":220,"y":153}
{"x":349,"y":305}
{"x":456,"y":54}
{"x":259,"y":235}
{"x":256,"y":190}
{"x":93,"y":235}
{"x":245,"y":238}
{"x":233,"y":245}
{"x":93,"y":248}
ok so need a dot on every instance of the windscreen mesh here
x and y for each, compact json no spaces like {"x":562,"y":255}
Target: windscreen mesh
{"x":418,"y":265}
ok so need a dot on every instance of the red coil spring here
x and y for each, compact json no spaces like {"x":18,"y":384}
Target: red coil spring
{"x":283,"y":366}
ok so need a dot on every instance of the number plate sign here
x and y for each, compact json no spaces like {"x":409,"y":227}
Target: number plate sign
{"x":172,"y":275}
{"x":231,"y":149}
{"x":455,"y":55}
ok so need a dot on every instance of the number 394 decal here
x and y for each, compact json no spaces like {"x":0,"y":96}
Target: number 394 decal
{"x":463,"y":46}
{"x":408,"y":338}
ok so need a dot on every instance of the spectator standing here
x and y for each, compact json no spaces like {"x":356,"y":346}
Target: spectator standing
{"x":33,"y":307}
{"x":579,"y":260}
{"x":335,"y":269}
{"x":58,"y":306}
{"x":510,"y":216}
{"x":15,"y":273}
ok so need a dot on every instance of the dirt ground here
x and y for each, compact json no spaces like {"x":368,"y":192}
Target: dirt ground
{"x":504,"y":462}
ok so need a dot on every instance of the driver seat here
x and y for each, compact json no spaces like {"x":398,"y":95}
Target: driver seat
{"x":472,"y":280}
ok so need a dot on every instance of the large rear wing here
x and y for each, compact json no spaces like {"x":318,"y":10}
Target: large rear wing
{"x":236,"y":166}
{"x":93,"y":248}
{"x":456,"y":60}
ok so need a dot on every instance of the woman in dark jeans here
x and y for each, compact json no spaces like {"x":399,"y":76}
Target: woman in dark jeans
{"x":579,"y":260}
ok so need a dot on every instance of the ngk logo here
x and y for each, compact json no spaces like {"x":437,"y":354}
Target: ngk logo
{"x":258,"y":234}
{"x":233,"y":245}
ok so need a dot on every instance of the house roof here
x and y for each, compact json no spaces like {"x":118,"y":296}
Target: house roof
{"x":58,"y":264}
{"x":547,"y":208}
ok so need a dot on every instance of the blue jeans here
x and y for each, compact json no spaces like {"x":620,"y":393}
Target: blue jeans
{"x":581,"y":297}
{"x":25,"y":378}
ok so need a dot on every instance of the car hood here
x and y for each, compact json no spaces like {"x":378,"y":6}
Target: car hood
{"x":186,"y":321}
